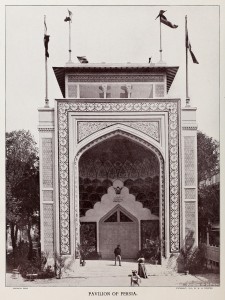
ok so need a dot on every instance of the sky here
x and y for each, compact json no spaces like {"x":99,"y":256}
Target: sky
{"x":111,"y":34}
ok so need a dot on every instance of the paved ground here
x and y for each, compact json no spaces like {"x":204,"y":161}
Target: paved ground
{"x":103,"y":273}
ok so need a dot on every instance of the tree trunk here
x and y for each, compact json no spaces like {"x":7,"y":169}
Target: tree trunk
{"x":13,"y":232}
{"x":13,"y":237}
{"x":30,"y":253}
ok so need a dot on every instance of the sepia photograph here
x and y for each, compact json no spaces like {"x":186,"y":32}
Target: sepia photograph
{"x":112,"y":147}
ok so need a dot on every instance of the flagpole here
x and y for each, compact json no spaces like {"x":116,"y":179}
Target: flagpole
{"x":186,"y":46}
{"x":46,"y":70}
{"x":160,"y":50}
{"x":46,"y":83}
{"x":70,"y":41}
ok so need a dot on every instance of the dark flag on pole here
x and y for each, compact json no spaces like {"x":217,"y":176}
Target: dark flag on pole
{"x":188,"y":46}
{"x":82,"y":59}
{"x":70,"y":17}
{"x":164,"y":20}
{"x":46,"y":39}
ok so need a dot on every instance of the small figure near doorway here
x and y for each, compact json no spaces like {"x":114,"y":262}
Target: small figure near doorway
{"x":117,"y":252}
{"x":142,"y":272}
{"x":135,"y":279}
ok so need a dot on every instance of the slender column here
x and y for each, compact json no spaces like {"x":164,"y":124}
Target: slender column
{"x":46,"y":83}
{"x":186,"y":46}
{"x":70,"y":41}
{"x":46,"y":64}
{"x":160,"y":50}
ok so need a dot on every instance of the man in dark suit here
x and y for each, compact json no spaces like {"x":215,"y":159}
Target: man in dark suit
{"x":117,"y":253}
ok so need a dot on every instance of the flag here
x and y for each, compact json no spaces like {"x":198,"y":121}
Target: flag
{"x":70,"y":16}
{"x":160,"y":13}
{"x":67,"y":19}
{"x":46,"y":40}
{"x":164,"y":20}
{"x":70,"y":13}
{"x":82,"y":59}
{"x":45,"y":24}
{"x":188,"y":46}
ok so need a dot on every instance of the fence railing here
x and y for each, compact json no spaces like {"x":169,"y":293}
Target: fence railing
{"x":213,"y":256}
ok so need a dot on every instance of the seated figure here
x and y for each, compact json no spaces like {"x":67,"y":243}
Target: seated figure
{"x":135,"y":279}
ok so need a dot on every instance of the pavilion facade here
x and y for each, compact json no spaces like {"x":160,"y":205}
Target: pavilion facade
{"x":118,"y":162}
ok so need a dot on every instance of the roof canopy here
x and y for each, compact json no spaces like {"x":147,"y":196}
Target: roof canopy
{"x":140,"y":69}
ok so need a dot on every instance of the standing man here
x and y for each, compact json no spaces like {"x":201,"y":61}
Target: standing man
{"x":117,"y":253}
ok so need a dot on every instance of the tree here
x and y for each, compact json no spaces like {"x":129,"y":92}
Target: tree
{"x":208,"y":195}
{"x":22,"y":183}
{"x":208,"y":156}
{"x":208,"y":207}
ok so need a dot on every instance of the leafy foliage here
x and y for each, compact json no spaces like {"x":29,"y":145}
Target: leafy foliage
{"x":194,"y":259}
{"x":208,"y":208}
{"x":152,"y":250}
{"x":208,"y":195}
{"x":87,"y":247}
{"x":22,"y":183}
{"x":208,"y":156}
{"x":37,"y":265}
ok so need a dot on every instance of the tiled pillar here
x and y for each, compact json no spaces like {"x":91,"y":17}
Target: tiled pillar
{"x":46,"y":166}
{"x":189,"y":174}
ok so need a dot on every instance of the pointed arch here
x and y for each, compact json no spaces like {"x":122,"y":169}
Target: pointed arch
{"x":146,"y":143}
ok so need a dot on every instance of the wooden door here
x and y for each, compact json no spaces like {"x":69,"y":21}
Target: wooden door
{"x":118,"y":228}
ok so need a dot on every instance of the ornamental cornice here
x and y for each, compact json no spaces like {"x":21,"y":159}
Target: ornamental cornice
{"x":115,"y":78}
{"x":46,"y":129}
{"x":189,"y":127}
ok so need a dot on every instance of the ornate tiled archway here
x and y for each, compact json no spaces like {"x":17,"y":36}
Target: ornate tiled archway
{"x":168,"y":107}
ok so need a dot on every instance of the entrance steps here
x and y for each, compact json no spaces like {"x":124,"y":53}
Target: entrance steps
{"x":106,"y":268}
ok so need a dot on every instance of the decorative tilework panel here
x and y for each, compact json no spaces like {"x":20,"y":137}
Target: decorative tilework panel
{"x":190,"y":217}
{"x":159,"y":90}
{"x":47,"y":195}
{"x":48,"y":227}
{"x":87,"y":128}
{"x":190,"y":193}
{"x":72,"y":91}
{"x":115,"y":78}
{"x":47,"y":162}
{"x":189,"y":160}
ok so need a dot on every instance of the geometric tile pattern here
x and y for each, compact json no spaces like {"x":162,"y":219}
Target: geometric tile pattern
{"x":115,"y":78}
{"x":159,"y":90}
{"x":189,"y":160}
{"x":72,"y":91}
{"x":190,"y":217}
{"x":86,"y":128}
{"x":47,"y":165}
{"x":47,"y":195}
{"x":169,"y":106}
{"x":48,"y":227}
{"x":190,"y":193}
